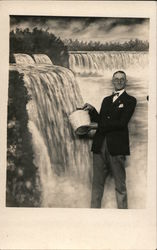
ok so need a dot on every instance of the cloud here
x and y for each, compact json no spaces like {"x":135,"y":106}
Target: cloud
{"x":87,"y":28}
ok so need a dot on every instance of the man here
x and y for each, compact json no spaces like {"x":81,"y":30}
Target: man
{"x":111,"y":141}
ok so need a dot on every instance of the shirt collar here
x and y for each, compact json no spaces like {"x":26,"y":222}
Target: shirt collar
{"x":120,"y":91}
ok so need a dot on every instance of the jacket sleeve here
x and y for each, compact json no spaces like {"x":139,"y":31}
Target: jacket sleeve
{"x":94,"y":116}
{"x":112,"y":125}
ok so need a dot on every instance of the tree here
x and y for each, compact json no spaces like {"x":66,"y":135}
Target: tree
{"x":38,"y":41}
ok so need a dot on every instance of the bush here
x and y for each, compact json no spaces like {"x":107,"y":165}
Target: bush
{"x":23,"y":184}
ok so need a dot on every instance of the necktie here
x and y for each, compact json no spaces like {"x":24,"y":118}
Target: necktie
{"x":115,"y":94}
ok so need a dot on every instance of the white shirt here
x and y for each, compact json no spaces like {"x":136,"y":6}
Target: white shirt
{"x":120,"y":92}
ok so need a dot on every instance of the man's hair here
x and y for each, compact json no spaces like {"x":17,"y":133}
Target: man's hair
{"x":121,"y":72}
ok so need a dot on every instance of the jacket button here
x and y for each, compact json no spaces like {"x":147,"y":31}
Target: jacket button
{"x":108,"y":117}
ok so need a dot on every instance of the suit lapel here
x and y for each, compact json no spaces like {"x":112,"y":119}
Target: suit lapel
{"x":118,"y":100}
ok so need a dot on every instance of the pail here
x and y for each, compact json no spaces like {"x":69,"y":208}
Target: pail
{"x":80,"y":121}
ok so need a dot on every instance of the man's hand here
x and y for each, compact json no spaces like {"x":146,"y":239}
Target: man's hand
{"x":88,"y":107}
{"x":93,"y":126}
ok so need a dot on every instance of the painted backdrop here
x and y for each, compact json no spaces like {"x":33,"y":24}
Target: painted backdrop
{"x":56,"y":65}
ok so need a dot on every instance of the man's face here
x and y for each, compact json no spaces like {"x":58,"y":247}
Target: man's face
{"x":119,"y":81}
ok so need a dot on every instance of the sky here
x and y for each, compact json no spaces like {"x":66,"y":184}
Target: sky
{"x":103,"y":29}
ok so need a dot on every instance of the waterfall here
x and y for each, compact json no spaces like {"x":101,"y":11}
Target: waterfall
{"x":23,"y":59}
{"x":59,"y":153}
{"x":93,"y":62}
{"x":64,"y":159}
{"x":42,"y":59}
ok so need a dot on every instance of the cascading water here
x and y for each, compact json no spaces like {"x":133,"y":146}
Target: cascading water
{"x":99,"y":62}
{"x":63,"y":159}
{"x":23,"y":59}
{"x":41,"y":58}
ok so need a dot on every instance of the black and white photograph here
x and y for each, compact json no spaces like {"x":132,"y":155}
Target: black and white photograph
{"x":78,"y":117}
{"x":77,"y":112}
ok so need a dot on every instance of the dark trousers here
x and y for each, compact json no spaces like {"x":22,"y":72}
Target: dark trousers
{"x":104,"y":163}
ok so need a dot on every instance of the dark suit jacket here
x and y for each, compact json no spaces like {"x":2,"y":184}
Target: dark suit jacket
{"x":113,"y":124}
